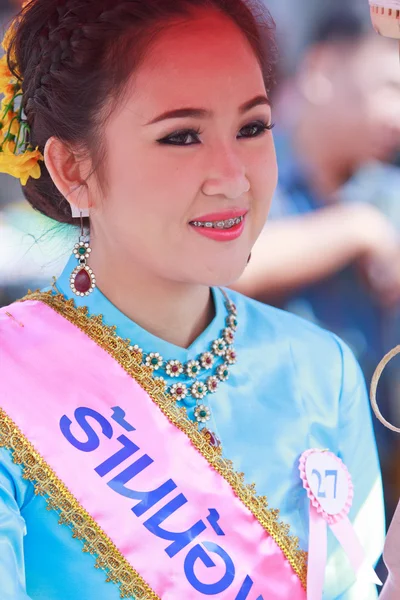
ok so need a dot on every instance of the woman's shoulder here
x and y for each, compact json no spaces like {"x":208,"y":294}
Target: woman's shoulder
{"x":24,"y":303}
{"x":15,"y":349}
{"x":25,"y":307}
{"x":23,"y":336}
{"x":14,"y":488}
{"x":275,"y":321}
{"x":304,"y":341}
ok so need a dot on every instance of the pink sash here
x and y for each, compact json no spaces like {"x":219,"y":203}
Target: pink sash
{"x":169,"y":510}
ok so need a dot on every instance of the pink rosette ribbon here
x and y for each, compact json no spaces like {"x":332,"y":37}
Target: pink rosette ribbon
{"x":329,"y":487}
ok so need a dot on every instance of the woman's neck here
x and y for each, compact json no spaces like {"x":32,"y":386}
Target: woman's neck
{"x":175,"y":312}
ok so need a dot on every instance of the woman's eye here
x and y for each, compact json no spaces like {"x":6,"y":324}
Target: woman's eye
{"x":186,"y":137}
{"x":180,"y":138}
{"x":256,"y":129}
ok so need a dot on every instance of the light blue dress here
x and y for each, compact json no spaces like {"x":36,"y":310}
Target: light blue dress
{"x":294,"y":387}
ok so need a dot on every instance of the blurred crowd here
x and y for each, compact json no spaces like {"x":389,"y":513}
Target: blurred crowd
{"x":330,"y":251}
{"x":331,"y":248}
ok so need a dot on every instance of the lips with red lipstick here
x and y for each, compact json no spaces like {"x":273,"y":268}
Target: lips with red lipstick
{"x":221,"y":226}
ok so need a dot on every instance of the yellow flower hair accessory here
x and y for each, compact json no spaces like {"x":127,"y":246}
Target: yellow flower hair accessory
{"x":17,"y":157}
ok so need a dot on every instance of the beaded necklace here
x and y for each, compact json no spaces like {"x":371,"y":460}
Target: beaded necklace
{"x":193,"y":392}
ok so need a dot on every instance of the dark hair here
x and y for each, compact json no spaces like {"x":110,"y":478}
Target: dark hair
{"x":340,"y":25}
{"x":73,"y":56}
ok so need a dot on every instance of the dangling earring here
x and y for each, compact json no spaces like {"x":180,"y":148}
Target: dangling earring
{"x":83,"y":280}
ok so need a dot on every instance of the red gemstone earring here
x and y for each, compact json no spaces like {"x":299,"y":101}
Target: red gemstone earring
{"x":83,"y":280}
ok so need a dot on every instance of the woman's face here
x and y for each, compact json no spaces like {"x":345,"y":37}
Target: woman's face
{"x":211,"y":163}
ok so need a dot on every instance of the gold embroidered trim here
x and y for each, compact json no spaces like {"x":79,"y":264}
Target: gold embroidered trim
{"x":84,"y":527}
{"x":106,"y":337}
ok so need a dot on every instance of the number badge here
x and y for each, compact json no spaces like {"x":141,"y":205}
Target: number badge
{"x":328,"y":484}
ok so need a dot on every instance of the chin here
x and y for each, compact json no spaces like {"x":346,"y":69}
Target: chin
{"x":224,"y":275}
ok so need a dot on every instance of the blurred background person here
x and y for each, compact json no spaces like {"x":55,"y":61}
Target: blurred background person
{"x":331,"y":248}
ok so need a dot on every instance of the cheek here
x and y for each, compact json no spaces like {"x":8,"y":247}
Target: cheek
{"x":133,"y":178}
{"x":263,"y":175}
{"x":146,"y":188}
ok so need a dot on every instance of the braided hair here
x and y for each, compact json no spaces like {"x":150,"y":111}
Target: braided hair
{"x":74,"y":58}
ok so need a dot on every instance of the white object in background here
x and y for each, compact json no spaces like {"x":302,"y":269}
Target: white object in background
{"x":391,"y":554}
{"x":391,"y":591}
{"x":385,"y":15}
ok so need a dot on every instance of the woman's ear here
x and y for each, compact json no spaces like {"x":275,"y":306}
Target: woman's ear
{"x":66,"y":172}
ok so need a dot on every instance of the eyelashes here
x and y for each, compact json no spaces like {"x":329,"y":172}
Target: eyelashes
{"x":179,"y":138}
{"x":260,"y":126}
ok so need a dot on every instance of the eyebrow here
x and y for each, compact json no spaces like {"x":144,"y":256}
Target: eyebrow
{"x":202,"y":113}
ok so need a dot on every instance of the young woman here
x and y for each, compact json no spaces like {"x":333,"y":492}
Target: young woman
{"x":138,"y":398}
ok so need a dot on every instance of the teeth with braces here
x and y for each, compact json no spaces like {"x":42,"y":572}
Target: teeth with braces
{"x":227,"y":224}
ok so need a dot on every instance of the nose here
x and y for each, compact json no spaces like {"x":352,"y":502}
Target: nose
{"x":227,"y":174}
